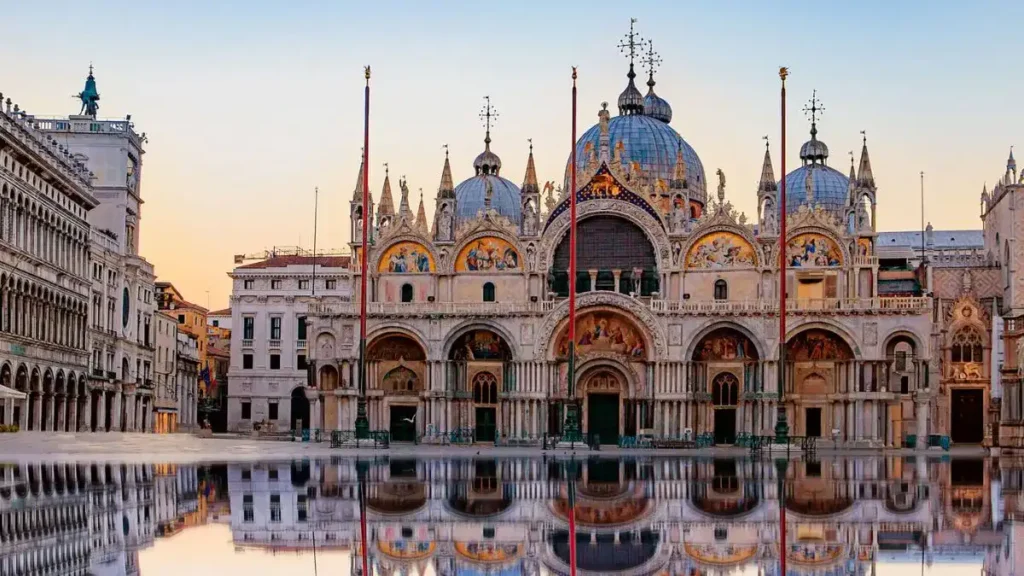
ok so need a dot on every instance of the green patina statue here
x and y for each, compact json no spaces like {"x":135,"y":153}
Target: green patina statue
{"x":90,"y":97}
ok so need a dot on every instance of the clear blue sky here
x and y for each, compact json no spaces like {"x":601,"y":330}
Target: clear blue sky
{"x":249,"y":105}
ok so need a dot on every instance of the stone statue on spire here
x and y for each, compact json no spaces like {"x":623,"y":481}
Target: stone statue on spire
{"x":90,"y":97}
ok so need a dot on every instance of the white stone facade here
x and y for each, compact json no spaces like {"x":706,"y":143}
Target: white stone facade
{"x":269,"y":303}
{"x":187,"y":380}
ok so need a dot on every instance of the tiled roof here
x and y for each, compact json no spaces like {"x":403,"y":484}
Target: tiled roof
{"x":224,"y":312}
{"x":940,"y":239}
{"x":284,"y":261}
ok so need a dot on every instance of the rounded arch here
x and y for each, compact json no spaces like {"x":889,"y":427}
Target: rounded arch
{"x":393,"y":328}
{"x":480,"y":344}
{"x":717,"y":243}
{"x":451,"y":264}
{"x":902,"y":335}
{"x":396,"y":345}
{"x":753,"y":347}
{"x":615,"y":243}
{"x":328,"y":377}
{"x":393,"y":247}
{"x":654,"y":229}
{"x":557,"y":320}
{"x":604,"y":330}
{"x":841,"y":332}
{"x":840,"y":246}
{"x":457,"y":334}
{"x":592,"y":366}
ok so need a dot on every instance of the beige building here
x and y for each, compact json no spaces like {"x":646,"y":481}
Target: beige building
{"x":165,"y":400}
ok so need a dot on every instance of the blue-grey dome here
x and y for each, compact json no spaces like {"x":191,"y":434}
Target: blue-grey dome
{"x":657,"y":107}
{"x":830,"y":188}
{"x":646,"y":140}
{"x":471,"y":194}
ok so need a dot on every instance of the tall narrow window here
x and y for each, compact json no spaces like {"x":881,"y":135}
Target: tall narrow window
{"x":406,"y":292}
{"x":301,"y":327}
{"x":721,"y":290}
{"x":488,"y":292}
{"x":248,"y":327}
{"x":275,"y":328}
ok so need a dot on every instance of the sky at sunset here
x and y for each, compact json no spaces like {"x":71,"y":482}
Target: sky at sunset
{"x":250,"y":105}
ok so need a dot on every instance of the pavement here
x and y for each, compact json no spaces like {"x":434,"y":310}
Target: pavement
{"x":24,"y":447}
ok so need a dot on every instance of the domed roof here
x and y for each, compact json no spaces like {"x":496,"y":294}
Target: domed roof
{"x":830,"y":188}
{"x":655,"y":106}
{"x":649,"y":141}
{"x":631,"y":101}
{"x":471,"y":196}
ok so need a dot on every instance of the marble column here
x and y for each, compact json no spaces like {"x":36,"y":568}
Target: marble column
{"x":61,"y":419}
{"x":37,"y":413}
{"x":101,"y":412}
{"x":115,"y":420}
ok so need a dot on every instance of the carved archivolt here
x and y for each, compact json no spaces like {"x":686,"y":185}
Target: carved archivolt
{"x":559,"y":228}
{"x":646,"y":321}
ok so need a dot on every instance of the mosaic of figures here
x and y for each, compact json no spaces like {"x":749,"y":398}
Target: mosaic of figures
{"x":724,"y":344}
{"x":863,"y":247}
{"x":489,"y":552}
{"x":406,"y":258}
{"x":811,"y":249}
{"x":400,"y":380}
{"x":720,"y":250}
{"x":604,"y":332}
{"x":488,"y":254}
{"x":407,"y":550}
{"x":817,"y":344}
{"x":395,"y":347}
{"x":481,"y":345}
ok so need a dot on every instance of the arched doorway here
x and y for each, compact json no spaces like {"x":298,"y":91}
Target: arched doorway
{"x":481,"y":360}
{"x":300,"y":409}
{"x":328,"y":382}
{"x":485,"y":400}
{"x":603,"y":389}
{"x":817,"y":361}
{"x":725,"y":397}
{"x":399,"y":363}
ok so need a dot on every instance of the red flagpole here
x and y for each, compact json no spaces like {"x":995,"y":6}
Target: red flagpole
{"x":572,"y":325}
{"x":781,"y":427}
{"x":361,"y":420}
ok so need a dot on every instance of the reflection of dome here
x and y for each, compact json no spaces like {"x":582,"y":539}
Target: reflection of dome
{"x":649,"y":141}
{"x":397,"y":498}
{"x":830,"y":188}
{"x":608,"y":514}
{"x":471,"y":197}
{"x":478,"y":507}
{"x":603,"y":555}
{"x":819,"y":507}
{"x":724,"y":507}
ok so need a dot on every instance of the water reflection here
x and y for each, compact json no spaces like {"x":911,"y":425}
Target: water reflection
{"x":511,"y":517}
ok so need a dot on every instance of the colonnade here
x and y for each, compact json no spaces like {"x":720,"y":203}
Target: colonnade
{"x":32,"y":310}
{"x":51,"y":237}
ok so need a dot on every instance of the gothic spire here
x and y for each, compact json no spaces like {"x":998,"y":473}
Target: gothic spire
{"x":387,"y":204}
{"x":852,"y":190}
{"x":421,"y":217}
{"x":679,"y":174}
{"x":357,"y":194}
{"x":530,"y":185}
{"x":1011,"y":168}
{"x":767,"y":182}
{"x":447,"y":187}
{"x":864,"y":176}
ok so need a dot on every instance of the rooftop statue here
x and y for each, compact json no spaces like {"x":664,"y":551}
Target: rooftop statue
{"x":90,"y":97}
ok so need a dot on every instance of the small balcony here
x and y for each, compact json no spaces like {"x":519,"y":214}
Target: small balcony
{"x":275,"y":344}
{"x":300,"y":344}
{"x":97,"y":372}
{"x":247,"y":343}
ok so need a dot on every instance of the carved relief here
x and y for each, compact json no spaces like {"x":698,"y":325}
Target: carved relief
{"x":325,"y":346}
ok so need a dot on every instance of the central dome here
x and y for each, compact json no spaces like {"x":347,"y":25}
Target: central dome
{"x":646,"y":140}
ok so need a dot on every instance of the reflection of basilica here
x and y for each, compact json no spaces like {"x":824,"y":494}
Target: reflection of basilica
{"x":637,"y":517}
{"x":677,"y":327}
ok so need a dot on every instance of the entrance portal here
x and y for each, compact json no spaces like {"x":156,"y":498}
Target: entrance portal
{"x":486,"y":424}
{"x":300,"y":409}
{"x":603,"y":417}
{"x":403,"y":423}
{"x":812,"y":426}
{"x":967,"y":416}
{"x":725,"y":425}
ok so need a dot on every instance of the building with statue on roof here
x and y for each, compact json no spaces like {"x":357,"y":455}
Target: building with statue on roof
{"x":678,"y":324}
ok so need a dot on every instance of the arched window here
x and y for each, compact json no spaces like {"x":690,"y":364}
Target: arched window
{"x":488,"y":292}
{"x":721,"y":290}
{"x":406,"y":292}
{"x":967,"y":346}
{"x":485,"y":388}
{"x":725,"y":390}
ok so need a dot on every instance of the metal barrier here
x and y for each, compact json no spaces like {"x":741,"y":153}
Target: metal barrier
{"x":808,"y":444}
{"x":380,"y":438}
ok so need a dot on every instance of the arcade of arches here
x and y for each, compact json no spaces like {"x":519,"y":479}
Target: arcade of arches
{"x":726,"y":387}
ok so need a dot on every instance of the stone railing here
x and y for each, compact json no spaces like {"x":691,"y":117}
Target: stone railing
{"x":865,"y":260}
{"x":300,"y":344}
{"x":87,"y":125}
{"x":953,"y":259}
{"x":103,"y":241}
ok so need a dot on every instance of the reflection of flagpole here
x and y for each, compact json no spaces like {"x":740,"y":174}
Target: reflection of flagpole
{"x":572,"y":427}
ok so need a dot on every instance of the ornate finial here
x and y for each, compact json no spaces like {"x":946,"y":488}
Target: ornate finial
{"x":90,"y":68}
{"x":386,"y":171}
{"x":366,"y":72}
{"x":783,"y":74}
{"x":651,"y":62}
{"x":445,"y":146}
{"x":530,"y":140}
{"x":721,"y":185}
{"x":851,"y":160}
{"x":767,"y":144}
{"x":488,"y":113}
{"x":630,"y":42}
{"x":573,"y":75}
{"x":814,"y":108}
{"x":863,"y":138}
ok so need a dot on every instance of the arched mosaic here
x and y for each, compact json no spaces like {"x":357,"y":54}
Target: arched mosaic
{"x":406,"y":257}
{"x":489,"y":552}
{"x":817,"y":344}
{"x":604,"y":331}
{"x":488,"y":254}
{"x":720,"y":555}
{"x":813,"y":250}
{"x":724,"y":344}
{"x":720,"y":249}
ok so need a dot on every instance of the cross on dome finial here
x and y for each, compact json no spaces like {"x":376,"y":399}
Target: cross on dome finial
{"x":814,"y":108}
{"x":652,"y":60}
{"x":630,"y":43}
{"x":488,"y":113}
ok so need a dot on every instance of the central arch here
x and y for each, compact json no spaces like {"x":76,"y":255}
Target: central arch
{"x":727,"y":365}
{"x":618,"y":250}
{"x":818,"y":358}
{"x":399,"y":367}
{"x":481,"y":358}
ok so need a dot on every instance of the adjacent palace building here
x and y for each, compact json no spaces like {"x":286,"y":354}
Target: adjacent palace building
{"x":891,"y":337}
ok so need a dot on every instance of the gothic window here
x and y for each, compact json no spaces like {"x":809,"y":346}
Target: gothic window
{"x":967,"y":346}
{"x":721,"y":290}
{"x":406,"y":292}
{"x":485,"y":388}
{"x":488,"y":292}
{"x":725,"y":390}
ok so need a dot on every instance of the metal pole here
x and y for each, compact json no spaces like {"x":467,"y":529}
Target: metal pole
{"x":572,"y":420}
{"x":362,"y":423}
{"x":316,"y":205}
{"x":361,"y":470}
{"x":781,"y":426}
{"x":922,"y":220}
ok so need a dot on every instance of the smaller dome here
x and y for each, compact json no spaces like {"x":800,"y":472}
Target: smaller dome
{"x":655,"y":106}
{"x":471,"y":197}
{"x":829,"y":188}
{"x":631,"y":101}
{"x":814,"y":150}
{"x":487,"y":162}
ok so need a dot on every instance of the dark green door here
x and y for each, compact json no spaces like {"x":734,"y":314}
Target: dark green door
{"x":485,"y":424}
{"x":725,"y":425}
{"x":603,"y":417}
{"x":403,"y":423}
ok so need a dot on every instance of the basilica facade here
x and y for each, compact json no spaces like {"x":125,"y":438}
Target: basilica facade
{"x":678,"y":304}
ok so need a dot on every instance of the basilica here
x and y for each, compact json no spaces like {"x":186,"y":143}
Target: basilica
{"x":678,"y":304}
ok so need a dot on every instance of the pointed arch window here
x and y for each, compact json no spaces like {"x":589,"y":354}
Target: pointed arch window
{"x":725,"y":390}
{"x":485,"y":388}
{"x":968,"y":346}
{"x":488,"y":292}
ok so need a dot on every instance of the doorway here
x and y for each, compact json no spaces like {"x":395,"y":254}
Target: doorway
{"x":300,"y":409}
{"x":486,"y":424}
{"x":967,"y":416}
{"x":603,"y":417}
{"x":812,"y":422}
{"x":403,"y":423}
{"x":725,"y":425}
